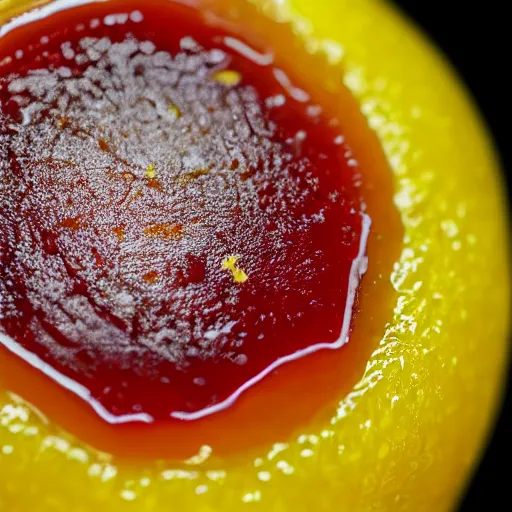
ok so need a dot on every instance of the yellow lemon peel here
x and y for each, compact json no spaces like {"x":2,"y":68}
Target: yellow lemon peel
{"x":239,"y":276}
{"x":228,"y":77}
{"x":174,"y":110}
{"x":151,"y":171}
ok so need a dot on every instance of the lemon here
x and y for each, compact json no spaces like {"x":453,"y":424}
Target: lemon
{"x":408,"y":434}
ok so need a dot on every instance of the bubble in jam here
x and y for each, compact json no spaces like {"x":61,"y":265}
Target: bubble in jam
{"x":177,"y":217}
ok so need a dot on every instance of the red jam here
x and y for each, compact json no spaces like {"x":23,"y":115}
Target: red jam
{"x":177,"y":219}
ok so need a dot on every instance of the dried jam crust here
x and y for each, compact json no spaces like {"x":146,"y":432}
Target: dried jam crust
{"x":174,"y":217}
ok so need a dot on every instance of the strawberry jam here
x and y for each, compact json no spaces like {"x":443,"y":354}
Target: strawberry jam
{"x":177,"y":217}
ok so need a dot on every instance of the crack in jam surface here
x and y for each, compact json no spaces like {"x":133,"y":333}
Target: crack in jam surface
{"x":175,"y":218}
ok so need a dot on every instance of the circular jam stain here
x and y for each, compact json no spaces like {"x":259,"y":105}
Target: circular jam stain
{"x":177,"y":219}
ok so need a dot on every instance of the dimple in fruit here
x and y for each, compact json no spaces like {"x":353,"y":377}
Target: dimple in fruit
{"x":214,"y":256}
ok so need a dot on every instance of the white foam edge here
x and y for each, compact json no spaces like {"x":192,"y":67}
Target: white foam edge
{"x":42,"y":12}
{"x":357,"y":270}
{"x":81,"y":391}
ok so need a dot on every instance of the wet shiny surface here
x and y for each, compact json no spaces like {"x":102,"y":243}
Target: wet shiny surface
{"x":403,"y":429}
{"x":175,"y":222}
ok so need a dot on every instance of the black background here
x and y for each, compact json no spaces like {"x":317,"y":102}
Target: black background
{"x":476,"y":40}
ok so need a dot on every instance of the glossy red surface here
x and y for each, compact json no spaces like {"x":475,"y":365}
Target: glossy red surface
{"x":177,"y":219}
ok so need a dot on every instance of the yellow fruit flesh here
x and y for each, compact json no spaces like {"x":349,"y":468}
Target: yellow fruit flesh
{"x":408,"y":434}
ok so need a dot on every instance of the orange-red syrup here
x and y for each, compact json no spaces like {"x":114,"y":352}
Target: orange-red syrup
{"x":179,"y":220}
